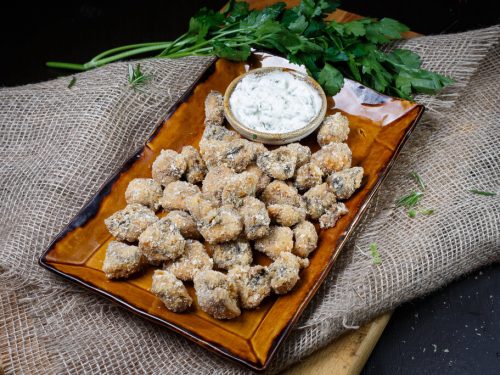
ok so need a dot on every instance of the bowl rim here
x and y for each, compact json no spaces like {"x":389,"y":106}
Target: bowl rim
{"x":291,"y":136}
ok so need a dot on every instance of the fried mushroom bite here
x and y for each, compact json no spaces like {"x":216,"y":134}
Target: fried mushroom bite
{"x":170,"y":291}
{"x":284,"y":272}
{"x":129,"y":223}
{"x":145,"y":191}
{"x":344,"y":183}
{"x":303,"y":153}
{"x":122,"y":260}
{"x":175,"y":194}
{"x":255,"y":218}
{"x":262,"y":179}
{"x":221,"y":224}
{"x":335,"y":128}
{"x":236,"y":154}
{"x":253,"y":283}
{"x":162,"y":241}
{"x":195,"y":166}
{"x":238,"y":187}
{"x":185,"y":223}
{"x":194,"y":260}
{"x":230,"y":254}
{"x":217,"y":294}
{"x":332,"y":157}
{"x":278,"y":192}
{"x":214,"y":108}
{"x":169,"y":166}
{"x":215,"y":181}
{"x":285,"y":214}
{"x":218,"y":133}
{"x":305,"y":239}
{"x":279,"y":163}
{"x":318,"y":200}
{"x":199,"y":206}
{"x":331,"y":216}
{"x":279,"y":239}
{"x":307,"y":176}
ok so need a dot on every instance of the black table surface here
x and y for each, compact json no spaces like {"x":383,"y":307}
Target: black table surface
{"x":455,"y":330}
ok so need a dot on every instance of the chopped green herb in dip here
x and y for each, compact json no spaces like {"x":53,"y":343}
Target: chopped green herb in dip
{"x":276,"y":102}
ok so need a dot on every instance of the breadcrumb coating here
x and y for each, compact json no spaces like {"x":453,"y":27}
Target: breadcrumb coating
{"x":285,"y":214}
{"x":279,"y":239}
{"x":194,"y":260}
{"x":318,"y":200}
{"x":279,"y":192}
{"x":145,"y":191}
{"x":221,"y":224}
{"x":122,"y":260}
{"x":256,"y":219}
{"x":335,"y":128}
{"x":129,"y":223}
{"x":162,"y":241}
{"x":195,"y":166}
{"x":185,"y":223}
{"x":331,"y":216}
{"x":230,"y":254}
{"x":253,"y":283}
{"x":175,"y":194}
{"x":307,"y":176}
{"x":305,"y":239}
{"x":284,"y":272}
{"x":171,"y":291}
{"x":217,"y":294}
{"x":344,"y":183}
{"x":169,"y":166}
{"x":332,"y":157}
{"x":279,"y":163}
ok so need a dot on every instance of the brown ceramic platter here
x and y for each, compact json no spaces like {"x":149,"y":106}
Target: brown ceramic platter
{"x":379,"y":124}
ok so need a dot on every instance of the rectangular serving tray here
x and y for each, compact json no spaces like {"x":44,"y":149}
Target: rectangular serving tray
{"x":379,"y":126}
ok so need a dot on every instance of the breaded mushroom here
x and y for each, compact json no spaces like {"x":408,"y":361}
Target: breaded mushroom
{"x":217,"y":294}
{"x":262,"y":179}
{"x":196,"y":169}
{"x":344,"y":183}
{"x":255,"y":218}
{"x":199,"y":206}
{"x":307,"y":176}
{"x":145,"y":191}
{"x":171,"y":291}
{"x":129,"y":223}
{"x":279,"y":239}
{"x":230,"y":254}
{"x":332,"y":157}
{"x":175,"y":194}
{"x":169,"y":166}
{"x":330,"y":217}
{"x":305,"y":239}
{"x":253,"y":283}
{"x":335,"y":128}
{"x":285,"y":214}
{"x":302,"y":152}
{"x":185,"y":223}
{"x":215,"y":181}
{"x":122,"y":260}
{"x":214,"y":108}
{"x":218,"y":133}
{"x":284,"y":272}
{"x":236,"y":154}
{"x":278,"y":192}
{"x":194,"y":260}
{"x":279,"y":163}
{"x":318,"y":200}
{"x":221,"y":224}
{"x":239,"y":186}
{"x":162,"y":241}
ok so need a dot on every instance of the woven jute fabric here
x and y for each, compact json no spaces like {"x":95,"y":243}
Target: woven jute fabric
{"x":58,"y":145}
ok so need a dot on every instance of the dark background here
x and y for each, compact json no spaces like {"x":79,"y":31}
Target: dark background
{"x":453,"y":331}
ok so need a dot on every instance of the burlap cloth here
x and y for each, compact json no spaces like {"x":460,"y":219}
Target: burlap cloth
{"x":59,"y":145}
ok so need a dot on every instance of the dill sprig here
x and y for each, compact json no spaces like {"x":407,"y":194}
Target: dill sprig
{"x":485,"y":193}
{"x":410,"y":200}
{"x":72,"y":82}
{"x":377,"y":259}
{"x":418,"y":180}
{"x":136,"y":77}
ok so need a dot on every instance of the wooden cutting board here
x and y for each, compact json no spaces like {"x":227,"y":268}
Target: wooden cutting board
{"x":348,"y":354}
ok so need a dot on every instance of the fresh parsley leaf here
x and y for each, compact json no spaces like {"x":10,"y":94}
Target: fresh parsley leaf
{"x":485,"y":193}
{"x":412,"y":213}
{"x":418,"y":180}
{"x":331,"y":79}
{"x":239,"y":53}
{"x":409,"y":200}
{"x":135,"y":77}
{"x":385,"y":30}
{"x":427,"y":211}
{"x":356,"y":28}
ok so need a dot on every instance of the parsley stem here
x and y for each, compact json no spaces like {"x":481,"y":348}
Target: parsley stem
{"x":64,"y":65}
{"x":125,"y":48}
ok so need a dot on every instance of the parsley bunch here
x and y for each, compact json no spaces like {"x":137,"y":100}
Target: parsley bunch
{"x":329,"y":50}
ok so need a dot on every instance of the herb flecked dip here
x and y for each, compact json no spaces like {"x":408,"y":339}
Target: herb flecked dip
{"x":275,"y":102}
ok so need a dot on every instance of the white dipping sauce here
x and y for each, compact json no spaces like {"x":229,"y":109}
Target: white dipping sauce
{"x":275,"y":102}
